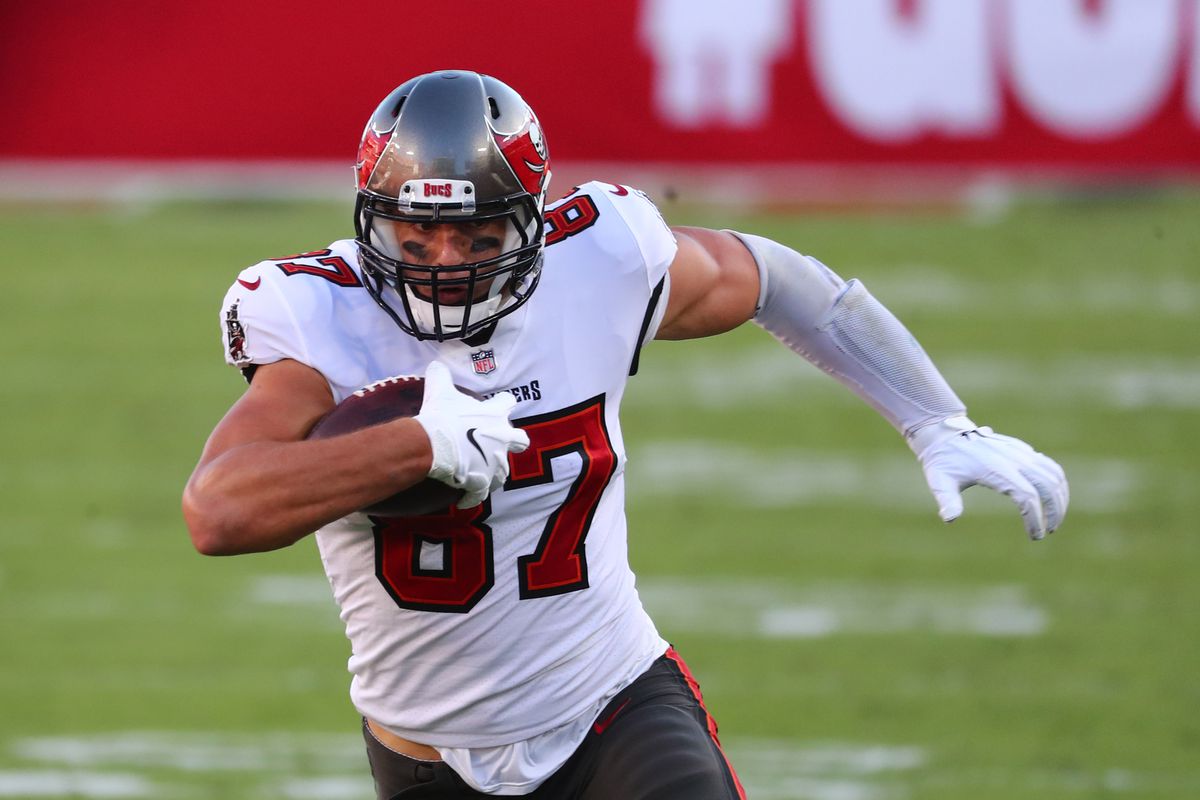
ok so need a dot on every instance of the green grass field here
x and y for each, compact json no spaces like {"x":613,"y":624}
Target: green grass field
{"x":852,"y":646}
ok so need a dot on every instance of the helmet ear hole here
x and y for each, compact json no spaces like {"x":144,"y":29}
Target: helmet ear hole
{"x":494,"y":107}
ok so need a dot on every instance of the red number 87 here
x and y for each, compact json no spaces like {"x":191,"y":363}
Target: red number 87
{"x":559,"y":563}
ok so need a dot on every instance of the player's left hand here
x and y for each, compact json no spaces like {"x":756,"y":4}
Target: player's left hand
{"x":956,"y":454}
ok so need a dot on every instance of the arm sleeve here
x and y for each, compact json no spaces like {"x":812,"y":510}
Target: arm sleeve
{"x":841,"y":328}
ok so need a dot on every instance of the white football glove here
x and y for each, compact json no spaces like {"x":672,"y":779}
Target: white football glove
{"x":956,"y":454}
{"x":471,"y":439}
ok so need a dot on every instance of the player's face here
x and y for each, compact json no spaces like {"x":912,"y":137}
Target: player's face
{"x":449,"y":244}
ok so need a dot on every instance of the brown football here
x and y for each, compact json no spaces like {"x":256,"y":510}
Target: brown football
{"x":381,"y":402}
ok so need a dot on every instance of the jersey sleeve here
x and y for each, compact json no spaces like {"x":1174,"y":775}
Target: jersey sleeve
{"x":649,"y":235}
{"x":636,"y":237}
{"x":259,"y":322}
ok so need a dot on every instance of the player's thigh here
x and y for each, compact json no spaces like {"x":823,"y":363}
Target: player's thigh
{"x":662,"y":745}
{"x":663,"y":759}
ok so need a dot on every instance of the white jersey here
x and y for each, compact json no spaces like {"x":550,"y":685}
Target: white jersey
{"x":490,"y":626}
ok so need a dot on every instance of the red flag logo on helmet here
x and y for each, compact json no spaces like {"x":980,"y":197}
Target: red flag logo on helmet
{"x":525,"y":152}
{"x":369,"y":151}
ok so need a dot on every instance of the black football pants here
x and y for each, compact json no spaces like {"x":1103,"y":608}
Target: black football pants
{"x":654,"y":741}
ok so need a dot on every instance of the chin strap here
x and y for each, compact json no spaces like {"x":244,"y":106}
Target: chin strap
{"x":841,"y":328}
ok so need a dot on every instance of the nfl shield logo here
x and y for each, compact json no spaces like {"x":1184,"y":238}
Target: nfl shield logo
{"x":483,"y":361}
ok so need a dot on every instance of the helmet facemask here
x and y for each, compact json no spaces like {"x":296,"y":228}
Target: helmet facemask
{"x":430,"y":305}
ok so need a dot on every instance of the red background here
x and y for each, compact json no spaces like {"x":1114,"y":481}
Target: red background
{"x":272,"y":80}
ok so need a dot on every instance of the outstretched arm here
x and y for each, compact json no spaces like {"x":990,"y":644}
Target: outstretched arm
{"x":720,"y":279}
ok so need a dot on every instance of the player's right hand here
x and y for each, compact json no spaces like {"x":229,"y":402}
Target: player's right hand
{"x":471,"y":439}
{"x":956,"y":454}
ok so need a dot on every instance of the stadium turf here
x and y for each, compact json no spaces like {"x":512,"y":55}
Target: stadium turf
{"x":851,"y":645}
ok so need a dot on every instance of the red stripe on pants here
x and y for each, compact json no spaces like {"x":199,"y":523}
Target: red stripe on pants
{"x":694,"y":685}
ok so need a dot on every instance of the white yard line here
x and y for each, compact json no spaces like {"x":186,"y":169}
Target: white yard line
{"x":796,"y":477}
{"x":288,"y":591}
{"x":762,"y":609}
{"x":197,"y":752}
{"x":955,"y":291}
{"x":291,"y":590}
{"x":772,"y":374}
{"x":334,"y":767}
{"x":61,"y":783}
{"x":327,"y":788}
{"x":740,"y":608}
{"x":830,"y":758}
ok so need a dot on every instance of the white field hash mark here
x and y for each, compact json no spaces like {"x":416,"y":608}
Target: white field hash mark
{"x":197,"y":752}
{"x":797,"y":477}
{"x":285,"y":765}
{"x":781,"y":611}
{"x":335,"y":768}
{"x":771,"y":374}
{"x":49,"y":783}
{"x":905,"y":288}
{"x":773,"y":769}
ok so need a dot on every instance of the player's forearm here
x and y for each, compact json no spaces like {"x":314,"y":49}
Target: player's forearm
{"x":267,"y":495}
{"x":841,"y":328}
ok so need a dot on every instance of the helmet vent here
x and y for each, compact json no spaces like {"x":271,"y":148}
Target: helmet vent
{"x":495,"y":107}
{"x":399,"y":105}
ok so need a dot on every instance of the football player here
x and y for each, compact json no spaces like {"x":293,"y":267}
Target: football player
{"x":499,"y":647}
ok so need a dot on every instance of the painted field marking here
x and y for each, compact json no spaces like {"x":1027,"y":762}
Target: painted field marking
{"x":905,"y":288}
{"x":774,"y":769}
{"x":196,"y":752}
{"x":69,"y":783}
{"x":291,"y":590}
{"x":798,"y":477}
{"x":293,"y":766}
{"x":327,"y":788}
{"x":772,"y":374}
{"x":312,"y":766}
{"x":782,"y":611}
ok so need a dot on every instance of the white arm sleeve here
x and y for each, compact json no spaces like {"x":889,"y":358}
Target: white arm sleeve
{"x":841,"y":328}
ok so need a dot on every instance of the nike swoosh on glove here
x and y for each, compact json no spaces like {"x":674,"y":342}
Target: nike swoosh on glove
{"x":470,"y":438}
{"x":956,"y":454}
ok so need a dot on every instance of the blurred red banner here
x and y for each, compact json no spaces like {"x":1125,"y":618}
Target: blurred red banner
{"x":1013,"y":83}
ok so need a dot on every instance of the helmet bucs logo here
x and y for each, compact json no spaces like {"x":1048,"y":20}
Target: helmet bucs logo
{"x":526,"y":153}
